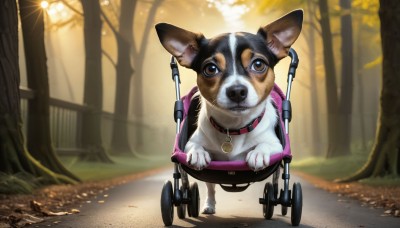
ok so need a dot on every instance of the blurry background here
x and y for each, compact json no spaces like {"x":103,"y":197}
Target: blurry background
{"x":151,"y":87}
{"x":111,"y":93}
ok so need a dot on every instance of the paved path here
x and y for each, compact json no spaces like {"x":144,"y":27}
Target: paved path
{"x":137,"y":204}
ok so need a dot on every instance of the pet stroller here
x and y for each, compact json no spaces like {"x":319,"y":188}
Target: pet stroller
{"x":232,"y":176}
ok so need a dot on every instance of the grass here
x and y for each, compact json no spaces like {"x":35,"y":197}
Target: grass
{"x":328,"y":169}
{"x":340,"y":167}
{"x":331,"y":169}
{"x":123,"y":165}
{"x":382,"y":181}
{"x":85,"y":170}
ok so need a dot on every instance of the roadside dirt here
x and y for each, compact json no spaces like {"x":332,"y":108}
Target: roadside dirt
{"x":379,"y":197}
{"x":61,"y":200}
{"x":57,"y":200}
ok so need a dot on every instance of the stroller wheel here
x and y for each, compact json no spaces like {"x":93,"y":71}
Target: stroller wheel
{"x":167,"y":207}
{"x":284,"y":210}
{"x":194,"y":204}
{"x":181,"y":209}
{"x":297,"y":204}
{"x":268,"y":207}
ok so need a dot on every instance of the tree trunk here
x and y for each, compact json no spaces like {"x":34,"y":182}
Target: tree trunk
{"x":15,"y":160}
{"x":93,"y":92}
{"x":346,"y":91}
{"x":330,"y":78}
{"x":38,"y":137}
{"x":120,"y":142}
{"x":385,"y":155}
{"x":139,"y":56}
{"x":317,"y":145}
{"x":360,"y":90}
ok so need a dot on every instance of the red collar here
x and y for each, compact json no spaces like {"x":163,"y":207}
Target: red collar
{"x":246,"y":129}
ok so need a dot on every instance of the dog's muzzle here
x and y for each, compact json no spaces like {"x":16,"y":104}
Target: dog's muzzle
{"x":237,"y":93}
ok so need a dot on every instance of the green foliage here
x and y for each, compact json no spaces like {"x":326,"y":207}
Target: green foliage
{"x":341,"y":167}
{"x":331,"y":169}
{"x":382,"y":181}
{"x":374,"y":63}
{"x":25,"y":183}
{"x":123,"y":165}
{"x":368,"y":9}
{"x":19,"y":183}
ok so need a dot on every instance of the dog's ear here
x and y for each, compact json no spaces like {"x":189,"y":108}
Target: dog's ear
{"x":182,"y":44}
{"x":282,"y":33}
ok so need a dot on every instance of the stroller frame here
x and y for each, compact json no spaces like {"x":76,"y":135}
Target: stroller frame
{"x":188,"y":194}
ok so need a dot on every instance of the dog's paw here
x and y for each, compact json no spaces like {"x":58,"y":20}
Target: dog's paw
{"x":198,"y":158}
{"x":209,"y":207}
{"x":257,"y":159}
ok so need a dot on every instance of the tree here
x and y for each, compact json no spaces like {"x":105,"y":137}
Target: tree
{"x":313,"y":79}
{"x":330,"y":77}
{"x":120,"y":142}
{"x":93,"y":91}
{"x":126,"y":43}
{"x":17,"y":167}
{"x":346,"y":88}
{"x":385,"y":154}
{"x":366,"y":29}
{"x":38,"y":137}
{"x":124,"y":70}
{"x":138,"y":55}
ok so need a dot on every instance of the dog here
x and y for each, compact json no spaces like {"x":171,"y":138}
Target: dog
{"x":235,"y":77}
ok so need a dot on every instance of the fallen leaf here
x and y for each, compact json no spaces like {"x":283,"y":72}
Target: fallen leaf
{"x":50,"y":213}
{"x":31,"y":218}
{"x":366,"y":199}
{"x":5,"y":207}
{"x":35,"y":206}
{"x":75,"y":211}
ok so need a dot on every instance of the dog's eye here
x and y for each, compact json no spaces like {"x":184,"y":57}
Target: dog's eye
{"x":258,"y":66}
{"x":210,"y":70}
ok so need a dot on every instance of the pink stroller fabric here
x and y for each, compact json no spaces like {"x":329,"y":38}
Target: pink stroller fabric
{"x":180,"y":156}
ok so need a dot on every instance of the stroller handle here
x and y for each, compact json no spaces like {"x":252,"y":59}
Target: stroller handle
{"x":178,"y":108}
{"x":175,"y":77}
{"x":294,"y":62}
{"x":292,"y":70}
{"x":286,"y":105}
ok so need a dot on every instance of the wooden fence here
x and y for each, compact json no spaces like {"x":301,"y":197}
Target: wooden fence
{"x":66,"y":123}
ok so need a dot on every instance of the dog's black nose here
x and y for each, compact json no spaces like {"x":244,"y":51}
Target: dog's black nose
{"x":237,"y":93}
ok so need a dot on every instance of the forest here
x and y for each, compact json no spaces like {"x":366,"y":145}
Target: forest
{"x":86,"y":91}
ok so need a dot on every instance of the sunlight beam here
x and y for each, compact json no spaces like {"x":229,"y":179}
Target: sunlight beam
{"x":44,"y":4}
{"x":231,"y":11}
